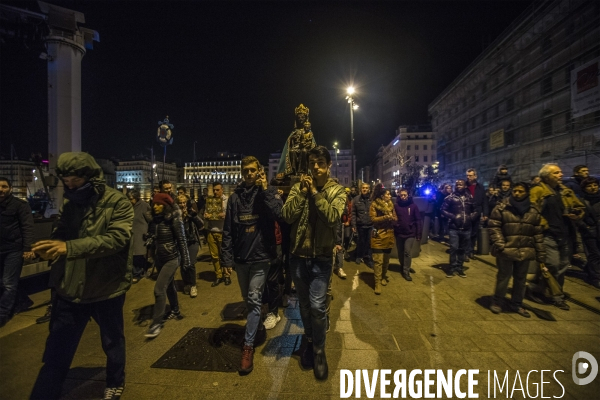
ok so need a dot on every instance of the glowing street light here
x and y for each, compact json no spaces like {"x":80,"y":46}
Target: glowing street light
{"x":337,"y":150}
{"x":353,"y":106}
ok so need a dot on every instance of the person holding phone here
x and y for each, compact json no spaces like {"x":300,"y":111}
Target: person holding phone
{"x":249,"y":244}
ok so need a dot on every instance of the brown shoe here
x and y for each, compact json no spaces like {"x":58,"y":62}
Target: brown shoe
{"x":377,"y":287}
{"x":247,"y":363}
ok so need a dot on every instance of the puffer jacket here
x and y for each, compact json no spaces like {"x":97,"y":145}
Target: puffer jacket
{"x":314,"y":219}
{"x":169,"y":237}
{"x":459,"y":210}
{"x":384,"y":218}
{"x":515,"y":237}
{"x":192,"y":225}
{"x":98,"y":235}
{"x":360,"y":212}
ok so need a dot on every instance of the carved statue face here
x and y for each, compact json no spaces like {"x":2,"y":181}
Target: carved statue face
{"x":301,"y":118}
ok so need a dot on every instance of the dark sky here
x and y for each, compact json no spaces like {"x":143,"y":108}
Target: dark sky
{"x":229,"y":74}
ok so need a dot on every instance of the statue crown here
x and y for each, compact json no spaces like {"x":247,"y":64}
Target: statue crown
{"x":301,"y":109}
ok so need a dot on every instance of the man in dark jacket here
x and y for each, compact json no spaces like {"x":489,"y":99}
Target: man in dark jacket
{"x":142,"y":216}
{"x":459,"y":209}
{"x":580,"y":172}
{"x":362,"y":224}
{"x":480,"y":203}
{"x":16,"y":238}
{"x":91,"y":251}
{"x":249,"y":243}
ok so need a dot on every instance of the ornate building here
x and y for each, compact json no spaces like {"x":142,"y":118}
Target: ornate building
{"x":225,"y":167}
{"x":513,"y":104}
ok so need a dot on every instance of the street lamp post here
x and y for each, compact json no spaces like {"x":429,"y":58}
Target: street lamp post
{"x":353,"y":106}
{"x":335,"y":148}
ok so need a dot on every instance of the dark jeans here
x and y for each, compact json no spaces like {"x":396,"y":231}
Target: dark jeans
{"x":311,"y":277}
{"x":518,"y":271}
{"x":593,"y":264}
{"x":459,"y":245}
{"x":363,"y":246}
{"x":347,"y":237}
{"x":251,"y":278}
{"x":557,"y":262}
{"x":139,"y":266}
{"x":404,"y":246}
{"x":67,"y":323}
{"x":274,"y":286}
{"x":165,"y":288}
{"x":11,"y":265}
{"x":188,"y":275}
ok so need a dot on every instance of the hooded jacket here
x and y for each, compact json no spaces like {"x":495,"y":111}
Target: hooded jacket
{"x":249,"y":228}
{"x":98,"y":235}
{"x":314,"y":219}
{"x":516,"y":237}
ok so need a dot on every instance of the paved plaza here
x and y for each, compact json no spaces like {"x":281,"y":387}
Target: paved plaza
{"x":430,"y":323}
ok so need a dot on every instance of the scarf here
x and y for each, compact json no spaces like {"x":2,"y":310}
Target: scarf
{"x":82,"y":195}
{"x":385,"y":207}
{"x":521,"y":206}
{"x":404,"y":203}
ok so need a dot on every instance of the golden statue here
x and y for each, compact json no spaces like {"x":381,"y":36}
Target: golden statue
{"x":294,"y":157}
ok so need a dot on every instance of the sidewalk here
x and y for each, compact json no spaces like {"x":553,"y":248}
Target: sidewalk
{"x":431,"y":322}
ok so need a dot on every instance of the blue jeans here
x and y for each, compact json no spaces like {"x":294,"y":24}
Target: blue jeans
{"x":11,"y":265}
{"x":252,"y":278}
{"x":459,"y":245}
{"x":67,"y":323}
{"x":311,"y":277}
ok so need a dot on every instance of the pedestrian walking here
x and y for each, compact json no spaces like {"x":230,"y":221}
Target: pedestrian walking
{"x":517,"y":239}
{"x":362,"y":225}
{"x":171,"y":250}
{"x":214,"y":217}
{"x":249,"y":243}
{"x":481,"y":207}
{"x":384,"y":218}
{"x":192,"y":225}
{"x":16,"y":238}
{"x":91,"y":252}
{"x":142,"y":215}
{"x":407,"y":230}
{"x":314,"y":209}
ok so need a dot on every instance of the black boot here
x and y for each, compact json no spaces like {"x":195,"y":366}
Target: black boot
{"x":307,"y":359}
{"x":321,"y":369}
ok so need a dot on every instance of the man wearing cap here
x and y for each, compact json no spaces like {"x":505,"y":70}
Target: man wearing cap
{"x":91,"y":254}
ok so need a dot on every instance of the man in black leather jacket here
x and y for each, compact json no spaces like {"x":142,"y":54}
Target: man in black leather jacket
{"x":362,"y":224}
{"x":458,"y":208}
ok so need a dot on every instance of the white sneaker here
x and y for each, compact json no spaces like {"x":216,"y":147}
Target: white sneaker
{"x":193,"y":291}
{"x":271,"y":321}
{"x":341,"y":273}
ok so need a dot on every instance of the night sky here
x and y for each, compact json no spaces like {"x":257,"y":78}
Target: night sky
{"x":229,"y":74}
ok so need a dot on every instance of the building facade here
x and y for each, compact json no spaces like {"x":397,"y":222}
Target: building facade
{"x":412,"y":144}
{"x":512,"y":105}
{"x":225,"y":167}
{"x":21,"y":173}
{"x":142,"y":174}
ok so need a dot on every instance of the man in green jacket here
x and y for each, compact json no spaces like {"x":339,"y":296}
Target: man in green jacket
{"x":314,"y":209}
{"x":91,"y":253}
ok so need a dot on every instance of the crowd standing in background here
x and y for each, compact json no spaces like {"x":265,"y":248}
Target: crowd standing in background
{"x":280,"y":243}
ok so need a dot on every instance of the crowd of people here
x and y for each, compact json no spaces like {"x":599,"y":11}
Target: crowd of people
{"x":276,"y":243}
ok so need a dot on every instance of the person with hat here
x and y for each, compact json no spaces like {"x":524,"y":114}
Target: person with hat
{"x":589,"y":228}
{"x":90,"y":249}
{"x":517,"y":238}
{"x":168,"y":233}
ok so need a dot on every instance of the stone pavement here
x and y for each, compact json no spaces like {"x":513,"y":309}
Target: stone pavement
{"x":432,"y":322}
